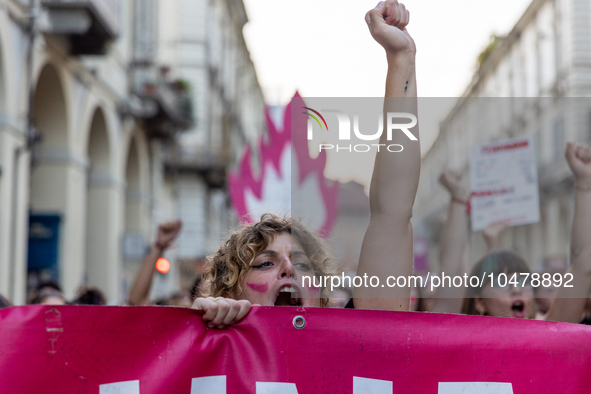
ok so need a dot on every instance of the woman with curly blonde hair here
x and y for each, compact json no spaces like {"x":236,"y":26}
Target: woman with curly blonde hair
{"x":241,"y":265}
{"x":264,"y":263}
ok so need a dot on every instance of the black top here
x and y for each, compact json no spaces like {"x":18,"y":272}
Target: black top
{"x":350,"y":304}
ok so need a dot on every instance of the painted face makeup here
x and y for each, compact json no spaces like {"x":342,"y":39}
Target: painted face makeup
{"x":261,"y":288}
{"x":274,"y":277}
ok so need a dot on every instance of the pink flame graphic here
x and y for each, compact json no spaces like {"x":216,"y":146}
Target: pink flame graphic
{"x":271,"y":154}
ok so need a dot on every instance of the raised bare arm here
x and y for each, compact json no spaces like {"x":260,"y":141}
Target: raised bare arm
{"x":453,"y":242}
{"x":167,"y":232}
{"x":388,"y":243}
{"x":570,"y":302}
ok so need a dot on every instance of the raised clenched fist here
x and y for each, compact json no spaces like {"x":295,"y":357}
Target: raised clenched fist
{"x":579,"y":161}
{"x":387,"y":24}
{"x":167,"y":232}
{"x":452,"y":181}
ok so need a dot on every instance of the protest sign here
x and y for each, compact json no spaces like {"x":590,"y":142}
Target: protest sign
{"x":146,"y":350}
{"x":504,"y":183}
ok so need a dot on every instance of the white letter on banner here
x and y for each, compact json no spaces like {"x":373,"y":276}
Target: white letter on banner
{"x":475,"y":388}
{"x":276,"y":388}
{"x":371,"y":386}
{"x":129,"y":387}
{"x":209,"y":385}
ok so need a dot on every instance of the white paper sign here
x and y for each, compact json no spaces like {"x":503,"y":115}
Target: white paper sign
{"x":504,"y":183}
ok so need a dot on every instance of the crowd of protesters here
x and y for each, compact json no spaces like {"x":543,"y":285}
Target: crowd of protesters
{"x":520,"y":300}
{"x":261,"y":263}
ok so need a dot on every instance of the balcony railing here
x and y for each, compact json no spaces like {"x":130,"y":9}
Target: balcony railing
{"x":90,"y":24}
{"x":210,"y":162}
{"x":168,"y":106}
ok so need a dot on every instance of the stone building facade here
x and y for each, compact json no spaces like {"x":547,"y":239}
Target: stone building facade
{"x":535,"y":81}
{"x":96,"y":99}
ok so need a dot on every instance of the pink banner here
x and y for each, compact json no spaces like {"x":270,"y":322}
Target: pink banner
{"x":132,"y":350}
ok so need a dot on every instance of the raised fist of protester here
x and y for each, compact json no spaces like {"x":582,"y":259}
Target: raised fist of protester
{"x":452,"y":181}
{"x":167,"y":232}
{"x":579,"y":161}
{"x":387,"y":24}
{"x":492,"y":235}
{"x":221,"y":312}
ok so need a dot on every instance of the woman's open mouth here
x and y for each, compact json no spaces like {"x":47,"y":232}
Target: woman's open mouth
{"x":288,"y":296}
{"x":518,"y":309}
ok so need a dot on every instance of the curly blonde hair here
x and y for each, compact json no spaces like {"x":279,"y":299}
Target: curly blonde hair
{"x":227,"y":267}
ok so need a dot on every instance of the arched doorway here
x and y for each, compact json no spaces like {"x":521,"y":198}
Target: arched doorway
{"x":102,"y":212}
{"x":57,"y":192}
{"x":137,"y":207}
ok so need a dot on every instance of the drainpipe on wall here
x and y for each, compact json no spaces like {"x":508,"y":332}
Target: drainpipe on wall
{"x":32,"y":133}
